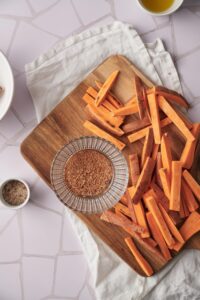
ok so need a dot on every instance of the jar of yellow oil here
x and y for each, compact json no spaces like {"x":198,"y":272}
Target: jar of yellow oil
{"x":157,"y":6}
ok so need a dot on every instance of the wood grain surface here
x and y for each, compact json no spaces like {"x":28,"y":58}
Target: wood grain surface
{"x":64,"y":123}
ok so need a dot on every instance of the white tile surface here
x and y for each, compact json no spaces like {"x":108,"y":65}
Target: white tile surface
{"x":41,"y":230}
{"x":45,"y":197}
{"x":187,"y":37}
{"x":28,"y":43}
{"x":13,"y":164}
{"x":71,"y":285}
{"x":22,"y":102}
{"x":60,"y":20}
{"x":70,"y":242}
{"x":10,"y":249}
{"x":39,"y":236}
{"x":10,"y":125}
{"x":7,"y":25}
{"x":37,"y":277}
{"x":39,"y":5}
{"x":17,"y":8}
{"x":129,"y":12}
{"x":10,"y":282}
{"x":90,"y":10}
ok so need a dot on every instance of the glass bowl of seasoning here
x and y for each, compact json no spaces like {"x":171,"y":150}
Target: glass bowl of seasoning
{"x":14,"y":193}
{"x":89,"y":175}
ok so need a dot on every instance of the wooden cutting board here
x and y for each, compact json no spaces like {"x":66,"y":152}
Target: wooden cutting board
{"x":64,"y":123}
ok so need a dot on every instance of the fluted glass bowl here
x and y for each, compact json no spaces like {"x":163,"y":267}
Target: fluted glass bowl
{"x":113,"y":193}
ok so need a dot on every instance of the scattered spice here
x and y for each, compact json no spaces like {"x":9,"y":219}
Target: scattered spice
{"x":88,"y":173}
{"x":14,"y":192}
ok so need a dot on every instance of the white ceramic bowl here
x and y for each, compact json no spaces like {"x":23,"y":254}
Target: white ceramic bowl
{"x":6,"y":204}
{"x":172,"y":9}
{"x":7,"y":83}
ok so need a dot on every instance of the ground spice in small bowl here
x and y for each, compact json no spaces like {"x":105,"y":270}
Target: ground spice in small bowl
{"x":88,"y":173}
{"x":14,"y":192}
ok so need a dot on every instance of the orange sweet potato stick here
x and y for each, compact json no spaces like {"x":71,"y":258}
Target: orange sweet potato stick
{"x":190,"y":226}
{"x":187,"y":156}
{"x":141,"y":133}
{"x":181,"y":211}
{"x":169,"y":95}
{"x":114,"y":121}
{"x":134,"y":168}
{"x":165,"y":182}
{"x":145,"y":266}
{"x":172,"y":114}
{"x":155,"y":118}
{"x":141,"y":218}
{"x":188,"y":196}
{"x":101,"y":133}
{"x":155,"y":151}
{"x":174,"y":203}
{"x":175,"y":232}
{"x":146,"y":104}
{"x":108,"y":105}
{"x":111,"y":98}
{"x":126,"y":110}
{"x":93,"y":112}
{"x":123,"y":200}
{"x":154,"y":209}
{"x":122,"y":221}
{"x":192,"y":183}
{"x":147,"y":147}
{"x":123,"y":209}
{"x":144,"y":180}
{"x":130,"y":207}
{"x":166,"y":153}
{"x":158,"y":167}
{"x":161,"y":198}
{"x":151,"y":242}
{"x":157,"y":235}
{"x":136,"y":125}
{"x":106,"y":87}
{"x":138,"y":86}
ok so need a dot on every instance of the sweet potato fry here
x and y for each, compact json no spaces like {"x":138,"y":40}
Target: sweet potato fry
{"x":144,"y":180}
{"x":187,"y":156}
{"x":192,"y":183}
{"x":123,"y":209}
{"x":111,"y":98}
{"x":136,"y":125}
{"x":155,"y":118}
{"x":101,"y":133}
{"x":141,"y":133}
{"x":164,"y":177}
{"x":161,"y":198}
{"x":138,"y":86}
{"x":169,"y":95}
{"x":166,"y":153}
{"x":175,"y":232}
{"x":151,"y":242}
{"x":122,"y":221}
{"x":155,"y":151}
{"x":134,"y":168}
{"x":126,"y":110}
{"x":172,"y":114}
{"x":139,"y":258}
{"x":92,"y":110}
{"x":188,"y":196}
{"x":106,"y":87}
{"x":174,"y":203}
{"x":131,"y":208}
{"x":154,"y":209}
{"x":147,"y":147}
{"x":190,"y":226}
{"x":141,"y":218}
{"x":158,"y":167}
{"x":108,"y":116}
{"x":157,"y":235}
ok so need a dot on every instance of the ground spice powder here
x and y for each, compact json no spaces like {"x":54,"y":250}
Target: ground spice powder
{"x":88,"y":173}
{"x":14,"y":192}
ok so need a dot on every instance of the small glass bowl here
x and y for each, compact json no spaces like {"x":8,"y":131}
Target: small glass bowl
{"x":90,"y":205}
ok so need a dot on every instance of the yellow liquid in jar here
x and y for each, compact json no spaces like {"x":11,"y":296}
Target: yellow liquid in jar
{"x":157,"y":5}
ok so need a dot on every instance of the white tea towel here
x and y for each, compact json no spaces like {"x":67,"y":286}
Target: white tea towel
{"x":54,"y":75}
